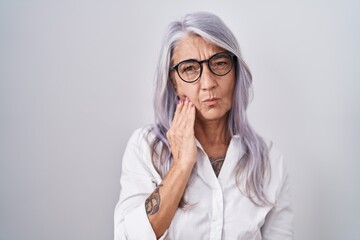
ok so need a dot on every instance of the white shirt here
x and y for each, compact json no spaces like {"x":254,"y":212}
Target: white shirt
{"x":219,"y":210}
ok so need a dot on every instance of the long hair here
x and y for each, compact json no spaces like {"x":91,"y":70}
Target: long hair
{"x":251,"y":168}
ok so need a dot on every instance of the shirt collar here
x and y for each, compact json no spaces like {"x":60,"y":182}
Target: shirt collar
{"x":233,"y":155}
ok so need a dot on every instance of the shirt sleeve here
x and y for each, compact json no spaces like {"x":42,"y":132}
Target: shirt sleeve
{"x":137,"y":181}
{"x":279,"y":221}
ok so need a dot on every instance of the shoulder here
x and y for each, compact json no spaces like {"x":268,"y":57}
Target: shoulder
{"x":276,"y":158}
{"x":278,"y":169}
{"x":141,"y":136}
{"x":138,"y":153}
{"x":137,"y":158}
{"x":275,"y":155}
{"x":139,"y":144}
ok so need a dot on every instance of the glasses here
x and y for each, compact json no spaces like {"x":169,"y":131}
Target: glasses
{"x":219,"y":64}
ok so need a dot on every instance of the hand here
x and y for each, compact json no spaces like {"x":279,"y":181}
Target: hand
{"x":181,"y":135}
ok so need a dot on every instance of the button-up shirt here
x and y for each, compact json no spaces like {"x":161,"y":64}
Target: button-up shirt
{"x":217,"y":207}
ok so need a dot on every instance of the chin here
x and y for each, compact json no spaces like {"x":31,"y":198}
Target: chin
{"x":211,"y":114}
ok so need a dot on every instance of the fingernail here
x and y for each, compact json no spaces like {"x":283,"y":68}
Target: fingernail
{"x":187,"y":99}
{"x":179,"y":101}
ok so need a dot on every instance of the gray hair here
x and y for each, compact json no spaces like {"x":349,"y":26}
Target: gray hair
{"x":252,"y":167}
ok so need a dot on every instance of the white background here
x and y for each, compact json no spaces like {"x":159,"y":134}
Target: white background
{"x":76,"y":79}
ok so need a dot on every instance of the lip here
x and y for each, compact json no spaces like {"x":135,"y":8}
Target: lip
{"x":211,"y":101}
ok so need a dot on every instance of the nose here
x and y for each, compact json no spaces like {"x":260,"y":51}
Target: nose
{"x":207,"y":79}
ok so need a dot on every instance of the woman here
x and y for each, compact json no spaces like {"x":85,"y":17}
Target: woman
{"x":201,"y":172}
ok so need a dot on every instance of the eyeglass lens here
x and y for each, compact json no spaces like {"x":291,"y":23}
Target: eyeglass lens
{"x":220,"y":64}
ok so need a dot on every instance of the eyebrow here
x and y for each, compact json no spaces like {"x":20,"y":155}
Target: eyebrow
{"x":192,"y":59}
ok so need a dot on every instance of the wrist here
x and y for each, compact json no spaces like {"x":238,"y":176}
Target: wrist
{"x":183,"y":166}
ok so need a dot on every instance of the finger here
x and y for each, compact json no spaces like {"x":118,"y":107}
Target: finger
{"x":188,"y":114}
{"x":191,"y":115}
{"x":187,"y":104}
{"x":185,"y":111}
{"x":182,"y":111}
{"x":181,"y":117}
{"x":178,"y":110}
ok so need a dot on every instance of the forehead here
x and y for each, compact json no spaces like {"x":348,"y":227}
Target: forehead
{"x":193,"y":47}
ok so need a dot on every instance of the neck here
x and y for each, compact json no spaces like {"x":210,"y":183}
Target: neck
{"x":212,"y":132}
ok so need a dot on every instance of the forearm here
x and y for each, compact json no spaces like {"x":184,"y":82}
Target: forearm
{"x":162,"y":204}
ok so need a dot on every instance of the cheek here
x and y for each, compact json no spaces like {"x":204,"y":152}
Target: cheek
{"x":231,"y":92}
{"x":184,"y":90}
{"x":229,"y":89}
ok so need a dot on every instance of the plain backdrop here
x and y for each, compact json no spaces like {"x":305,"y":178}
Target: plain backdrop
{"x":76,"y":79}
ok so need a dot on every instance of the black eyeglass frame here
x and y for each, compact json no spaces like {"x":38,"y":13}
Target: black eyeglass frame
{"x":176,"y":66}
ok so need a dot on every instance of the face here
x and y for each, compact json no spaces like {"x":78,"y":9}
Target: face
{"x":211,"y":94}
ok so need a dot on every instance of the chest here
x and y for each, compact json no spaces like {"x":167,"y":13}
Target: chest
{"x":215,"y":150}
{"x":217,"y":213}
{"x":216,"y":154}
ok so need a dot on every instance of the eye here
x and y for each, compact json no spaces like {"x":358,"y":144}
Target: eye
{"x":221,"y":61}
{"x":189,"y":67}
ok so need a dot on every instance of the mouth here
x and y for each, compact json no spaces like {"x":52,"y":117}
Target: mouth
{"x":211,"y":101}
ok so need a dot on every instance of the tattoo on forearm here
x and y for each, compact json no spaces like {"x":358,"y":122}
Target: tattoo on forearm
{"x":152,"y":203}
{"x":217,"y":163}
